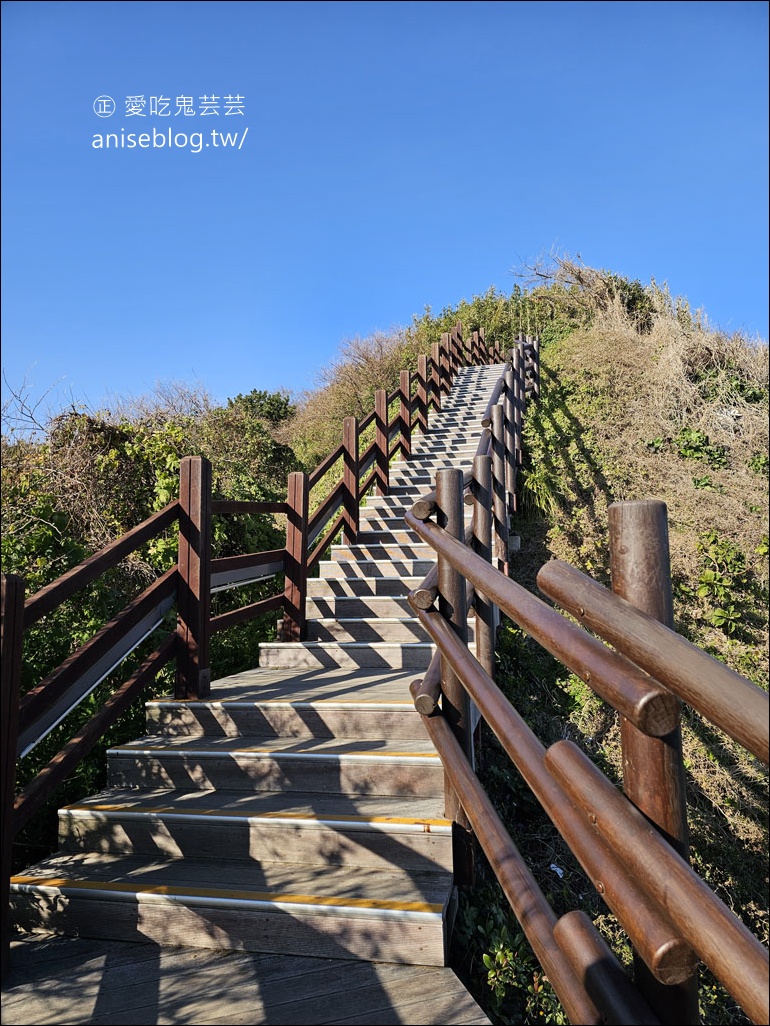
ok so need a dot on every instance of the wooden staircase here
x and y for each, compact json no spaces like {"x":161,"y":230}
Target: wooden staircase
{"x":298,"y":810}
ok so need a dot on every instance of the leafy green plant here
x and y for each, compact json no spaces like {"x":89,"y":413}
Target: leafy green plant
{"x":723,"y":581}
{"x":727,"y":619}
{"x":705,"y":483}
{"x":692,"y":444}
{"x":497,"y":953}
{"x":759,"y":463}
{"x":656,"y":444}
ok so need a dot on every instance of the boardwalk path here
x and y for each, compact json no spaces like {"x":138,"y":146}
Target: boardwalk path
{"x":66,"y":981}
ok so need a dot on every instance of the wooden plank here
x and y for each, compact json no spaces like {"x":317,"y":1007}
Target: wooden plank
{"x":52,"y":595}
{"x":45,"y":706}
{"x":61,"y":980}
{"x":41,"y":787}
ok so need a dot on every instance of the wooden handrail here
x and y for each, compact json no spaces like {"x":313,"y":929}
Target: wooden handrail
{"x":245,"y":613}
{"x":332,"y":531}
{"x":535,"y":915}
{"x":53,"y":594}
{"x":333,"y":502}
{"x":486,"y":420}
{"x":246,"y":506}
{"x":325,"y":466}
{"x":43,"y":706}
{"x":628,"y":689}
{"x":669,"y":958}
{"x":726,"y":698}
{"x":721,"y":940}
{"x":58,"y":769}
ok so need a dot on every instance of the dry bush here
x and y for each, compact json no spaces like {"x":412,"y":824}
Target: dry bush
{"x":347,"y":388}
{"x":636,"y":392}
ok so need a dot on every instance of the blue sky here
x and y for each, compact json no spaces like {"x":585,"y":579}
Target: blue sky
{"x":395,"y":155}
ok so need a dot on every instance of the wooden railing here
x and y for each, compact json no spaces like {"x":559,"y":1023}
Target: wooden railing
{"x":311,"y":525}
{"x":633,"y":845}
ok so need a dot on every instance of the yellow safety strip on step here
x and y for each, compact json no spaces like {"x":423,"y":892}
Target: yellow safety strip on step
{"x":218,"y":753}
{"x":225,"y":704}
{"x":381,"y":904}
{"x":169,"y":810}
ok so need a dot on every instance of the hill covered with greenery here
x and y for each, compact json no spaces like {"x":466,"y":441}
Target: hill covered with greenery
{"x":640,"y":398}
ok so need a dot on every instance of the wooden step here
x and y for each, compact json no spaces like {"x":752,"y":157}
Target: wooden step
{"x":403,"y":629}
{"x":327,"y":911}
{"x":347,"y":606}
{"x":338,"y":830}
{"x":384,"y":629}
{"x":287,"y":703}
{"x":396,"y":537}
{"x":326,"y":765}
{"x":352,"y":655}
{"x":396,"y":568}
{"x":357,"y":585}
{"x":400,"y":553}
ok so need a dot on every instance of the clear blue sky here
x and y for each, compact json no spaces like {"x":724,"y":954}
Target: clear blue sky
{"x":398,"y":155}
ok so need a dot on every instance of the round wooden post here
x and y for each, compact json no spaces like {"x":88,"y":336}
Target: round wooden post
{"x":455,"y":704}
{"x":653,"y":768}
{"x":500,"y":511}
{"x":536,"y":364}
{"x":486,"y":611}
{"x":509,"y":432}
{"x":518,"y":400}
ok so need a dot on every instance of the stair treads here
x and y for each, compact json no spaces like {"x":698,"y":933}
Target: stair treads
{"x":366,"y":891}
{"x":314,"y":686}
{"x":300,"y":748}
{"x":354,"y":812}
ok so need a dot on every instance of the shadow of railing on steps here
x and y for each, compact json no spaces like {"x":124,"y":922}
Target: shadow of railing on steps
{"x":359,"y":466}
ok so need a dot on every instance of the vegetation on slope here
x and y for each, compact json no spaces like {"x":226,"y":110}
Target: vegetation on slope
{"x":659,"y":408}
{"x":640,"y":399}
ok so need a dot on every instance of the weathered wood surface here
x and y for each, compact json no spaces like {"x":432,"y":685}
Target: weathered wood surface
{"x":66,"y":981}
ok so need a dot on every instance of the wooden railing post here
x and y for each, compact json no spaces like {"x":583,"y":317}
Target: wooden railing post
{"x":486,"y":611}
{"x":653,"y":768}
{"x":434,"y":384}
{"x":518,"y":400}
{"x":475,"y":357}
{"x":458,"y":346}
{"x":295,"y":568}
{"x":11,"y":642}
{"x":193,"y":674}
{"x":499,"y":505}
{"x":455,"y":703}
{"x":509,"y":433}
{"x":534,"y":342}
{"x":405,"y":413}
{"x":381,"y":443}
{"x":445,"y":365}
{"x":421,"y":411}
{"x":350,"y":479}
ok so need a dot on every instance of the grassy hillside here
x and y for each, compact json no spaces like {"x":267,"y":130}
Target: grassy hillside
{"x":640,"y":399}
{"x":664,"y":409}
